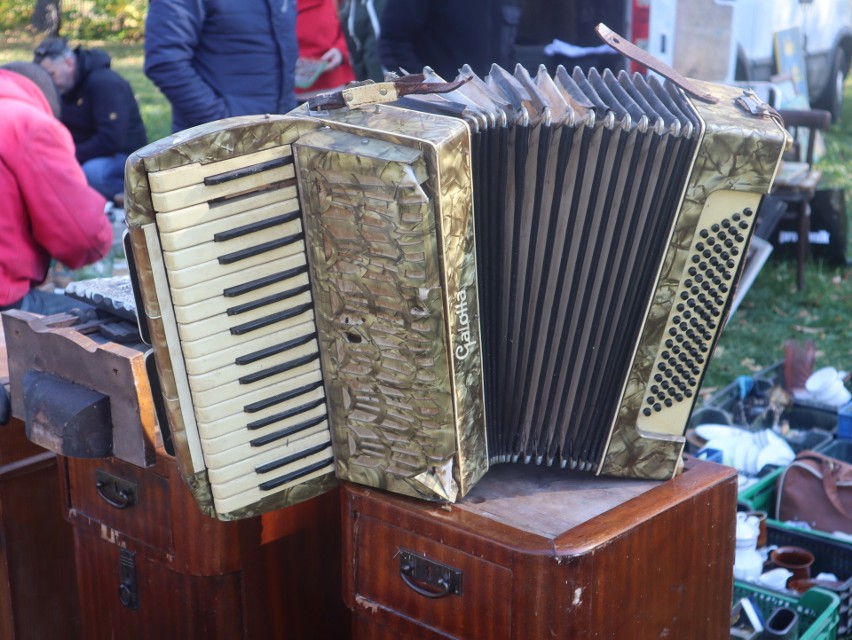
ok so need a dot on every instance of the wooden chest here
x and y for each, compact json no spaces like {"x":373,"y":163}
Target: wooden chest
{"x":538,"y":553}
{"x":38,"y":592}
{"x":150,"y":565}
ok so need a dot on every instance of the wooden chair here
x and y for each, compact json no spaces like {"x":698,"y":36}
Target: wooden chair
{"x":797,"y":180}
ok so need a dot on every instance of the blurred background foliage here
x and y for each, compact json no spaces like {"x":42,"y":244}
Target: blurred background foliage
{"x":113,"y":20}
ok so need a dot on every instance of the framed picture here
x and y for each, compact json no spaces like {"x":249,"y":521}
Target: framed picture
{"x":789,"y":58}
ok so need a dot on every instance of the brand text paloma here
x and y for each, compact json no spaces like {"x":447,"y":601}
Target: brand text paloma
{"x":465,"y":344}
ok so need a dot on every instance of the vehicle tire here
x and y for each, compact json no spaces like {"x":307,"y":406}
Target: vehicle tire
{"x":832,"y":97}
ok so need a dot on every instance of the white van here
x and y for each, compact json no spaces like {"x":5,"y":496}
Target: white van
{"x":729,"y":40}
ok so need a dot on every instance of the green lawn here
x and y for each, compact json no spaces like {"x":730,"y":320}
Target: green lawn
{"x":772,"y":311}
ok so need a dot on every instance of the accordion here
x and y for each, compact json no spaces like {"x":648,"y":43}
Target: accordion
{"x":531,"y":269}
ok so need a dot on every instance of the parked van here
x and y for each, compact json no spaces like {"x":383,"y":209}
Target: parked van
{"x":735,"y":40}
{"x":719,"y":40}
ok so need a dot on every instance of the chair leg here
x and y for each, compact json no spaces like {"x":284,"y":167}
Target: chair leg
{"x":804,"y":243}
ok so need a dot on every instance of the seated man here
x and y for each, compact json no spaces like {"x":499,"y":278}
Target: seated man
{"x":99,"y":109}
{"x":46,"y":208}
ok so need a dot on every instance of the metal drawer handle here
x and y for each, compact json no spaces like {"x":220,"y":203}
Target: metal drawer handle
{"x":428,"y":578}
{"x":405,"y":573}
{"x":115,"y":491}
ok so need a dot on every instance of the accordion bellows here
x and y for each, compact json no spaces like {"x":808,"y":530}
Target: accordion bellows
{"x":524,"y":269}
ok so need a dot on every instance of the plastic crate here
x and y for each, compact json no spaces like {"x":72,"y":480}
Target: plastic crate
{"x":725,"y":406}
{"x":761,"y":495}
{"x":813,"y":439}
{"x":831,"y":555}
{"x":844,"y":421}
{"x":817,"y":609}
{"x":840,"y":448}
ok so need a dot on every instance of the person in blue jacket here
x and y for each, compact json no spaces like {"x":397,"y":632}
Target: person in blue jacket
{"x":446,"y":34}
{"x":219,"y":58}
{"x":98,"y":108}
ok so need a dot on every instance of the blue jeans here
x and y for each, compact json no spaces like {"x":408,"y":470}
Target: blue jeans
{"x":47,"y":303}
{"x":106,"y":175}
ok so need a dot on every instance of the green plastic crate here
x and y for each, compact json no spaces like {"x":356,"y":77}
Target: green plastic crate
{"x":831,"y":555}
{"x":761,"y":495}
{"x":817,"y":608}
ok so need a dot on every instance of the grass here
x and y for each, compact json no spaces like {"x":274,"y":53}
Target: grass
{"x":771,"y":313}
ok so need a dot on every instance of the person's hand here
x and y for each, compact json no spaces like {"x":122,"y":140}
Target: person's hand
{"x":333,"y":57}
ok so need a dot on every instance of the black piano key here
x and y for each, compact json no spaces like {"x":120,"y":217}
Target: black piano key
{"x":260,"y":225}
{"x":265,"y":321}
{"x":283,"y":433}
{"x":285,"y":415}
{"x":236,"y":256}
{"x":272,"y":484}
{"x":281,"y":368}
{"x":242,"y":172}
{"x":275,"y":349}
{"x":267,"y":300}
{"x":259,"y":283}
{"x":283,"y":462}
{"x":254,"y":407}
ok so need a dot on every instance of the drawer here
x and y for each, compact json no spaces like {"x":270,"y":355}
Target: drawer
{"x":127,"y":501}
{"x":482,"y":609}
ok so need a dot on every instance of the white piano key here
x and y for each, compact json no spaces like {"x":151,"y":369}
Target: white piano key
{"x":179,"y":228}
{"x":232,"y":389}
{"x":228,"y":353}
{"x":252,"y":480}
{"x":230,"y":411}
{"x":202,"y":272}
{"x":300,"y":413}
{"x":212,"y":251}
{"x":223,"y":323}
{"x":195,"y":173}
{"x":247,"y":456}
{"x":217,"y":283}
{"x":224,"y":376}
{"x":252,"y":495}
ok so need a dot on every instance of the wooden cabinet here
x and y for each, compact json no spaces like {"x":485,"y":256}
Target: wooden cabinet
{"x":151,"y":565}
{"x":541,"y":553}
{"x":38,"y":591}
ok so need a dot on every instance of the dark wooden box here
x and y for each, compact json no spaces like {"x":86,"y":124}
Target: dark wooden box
{"x":546,"y":554}
{"x":38,"y":592}
{"x":158,"y":568}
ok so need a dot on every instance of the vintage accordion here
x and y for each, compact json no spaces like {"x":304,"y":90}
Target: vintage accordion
{"x":528,"y":269}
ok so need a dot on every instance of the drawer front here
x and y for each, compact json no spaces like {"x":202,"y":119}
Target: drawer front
{"x":384,"y":555}
{"x":133,"y":597}
{"x":130,"y":502}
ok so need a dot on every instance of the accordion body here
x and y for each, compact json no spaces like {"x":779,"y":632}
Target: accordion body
{"x":524,"y":269}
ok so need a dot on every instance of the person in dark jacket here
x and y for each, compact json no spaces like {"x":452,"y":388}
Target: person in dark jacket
{"x":446,"y":34}
{"x":362,"y":26}
{"x":214,"y":60}
{"x":98,"y":108}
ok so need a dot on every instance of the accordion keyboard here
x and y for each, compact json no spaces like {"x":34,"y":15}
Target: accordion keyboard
{"x":233,"y":248}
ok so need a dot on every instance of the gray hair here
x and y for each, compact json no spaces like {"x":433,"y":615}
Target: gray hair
{"x":42,"y":80}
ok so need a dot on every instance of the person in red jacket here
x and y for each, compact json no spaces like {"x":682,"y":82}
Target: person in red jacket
{"x":321,"y":38}
{"x":47,"y":210}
